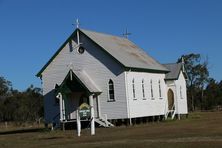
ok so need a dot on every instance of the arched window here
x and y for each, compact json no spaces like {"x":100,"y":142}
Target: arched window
{"x":151,"y":88}
{"x":181,"y":95}
{"x":133,"y":87}
{"x":160,"y":91}
{"x":143,"y":91}
{"x":111,"y":91}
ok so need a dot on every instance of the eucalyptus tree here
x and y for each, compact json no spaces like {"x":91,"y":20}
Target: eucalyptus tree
{"x":198,"y":76}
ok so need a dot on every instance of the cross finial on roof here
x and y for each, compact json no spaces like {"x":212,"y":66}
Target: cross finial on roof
{"x":183,"y":63}
{"x":182,"y":60}
{"x":77,"y":23}
{"x":126,"y":34}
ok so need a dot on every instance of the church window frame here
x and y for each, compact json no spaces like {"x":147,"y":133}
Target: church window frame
{"x":143,"y":89}
{"x":160,"y":90}
{"x":111,"y":91}
{"x":133,"y":89}
{"x":151,"y":89}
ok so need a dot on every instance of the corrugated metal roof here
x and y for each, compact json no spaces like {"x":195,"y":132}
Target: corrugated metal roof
{"x":82,"y":78}
{"x":174,"y":71}
{"x":121,"y":49}
{"x":86,"y":81}
{"x":126,"y":52}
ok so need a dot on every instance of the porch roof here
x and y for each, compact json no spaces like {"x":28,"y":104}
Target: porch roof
{"x":175,"y":69}
{"x":87,"y":82}
{"x":83,"y":79}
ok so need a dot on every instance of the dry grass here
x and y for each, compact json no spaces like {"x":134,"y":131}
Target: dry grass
{"x":203,"y":129}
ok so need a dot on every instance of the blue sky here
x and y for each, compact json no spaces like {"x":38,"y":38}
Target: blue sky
{"x":32,"y":30}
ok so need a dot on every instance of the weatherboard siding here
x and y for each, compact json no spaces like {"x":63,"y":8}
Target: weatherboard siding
{"x":180,"y":101}
{"x":98,"y":65}
{"x":148,"y":106}
{"x":181,"y":96}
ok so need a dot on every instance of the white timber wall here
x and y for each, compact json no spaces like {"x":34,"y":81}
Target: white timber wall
{"x":148,"y":106}
{"x":180,"y":93}
{"x":98,"y":65}
{"x":171,"y":85}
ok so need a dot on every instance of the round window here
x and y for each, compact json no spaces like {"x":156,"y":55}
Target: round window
{"x":81,"y":50}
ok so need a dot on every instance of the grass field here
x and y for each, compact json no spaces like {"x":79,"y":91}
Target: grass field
{"x":201,"y":129}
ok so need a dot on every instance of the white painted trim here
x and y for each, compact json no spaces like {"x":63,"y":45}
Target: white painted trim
{"x":108,"y":99}
{"x":98,"y":105}
{"x":92,"y":115}
{"x":60,"y":105}
{"x":176,"y":98}
{"x":78,"y":123}
{"x":127,"y":96}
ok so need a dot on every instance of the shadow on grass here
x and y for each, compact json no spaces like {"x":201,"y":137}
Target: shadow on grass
{"x":32,"y":130}
{"x":50,"y":138}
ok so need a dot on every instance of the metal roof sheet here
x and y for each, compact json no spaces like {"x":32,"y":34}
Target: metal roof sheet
{"x":125,"y":51}
{"x":121,"y":49}
{"x":86,"y":81}
{"x":174,"y":71}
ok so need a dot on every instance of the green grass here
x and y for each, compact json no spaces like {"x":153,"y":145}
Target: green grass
{"x":202,"y":129}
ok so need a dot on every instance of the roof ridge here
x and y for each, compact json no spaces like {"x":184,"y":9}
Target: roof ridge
{"x":107,"y":34}
{"x":141,"y":50}
{"x":138,"y":60}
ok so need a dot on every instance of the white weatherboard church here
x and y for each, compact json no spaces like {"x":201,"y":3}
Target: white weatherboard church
{"x":116,"y":78}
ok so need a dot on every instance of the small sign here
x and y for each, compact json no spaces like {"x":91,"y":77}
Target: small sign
{"x":84,"y":111}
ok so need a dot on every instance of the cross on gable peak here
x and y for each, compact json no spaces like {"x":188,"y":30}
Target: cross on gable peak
{"x":77,"y":24}
{"x":126,"y":34}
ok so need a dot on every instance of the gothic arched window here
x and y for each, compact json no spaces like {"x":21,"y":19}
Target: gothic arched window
{"x":160,"y":91}
{"x":133,"y":87}
{"x":151,"y":89}
{"x":143,"y":91}
{"x":111,"y":91}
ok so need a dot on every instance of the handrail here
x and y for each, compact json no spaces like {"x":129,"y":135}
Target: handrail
{"x":172,"y":109}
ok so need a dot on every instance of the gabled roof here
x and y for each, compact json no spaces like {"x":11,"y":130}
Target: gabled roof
{"x":83,"y":78}
{"x":125,"y":51}
{"x":121,"y":49}
{"x":175,"y":69}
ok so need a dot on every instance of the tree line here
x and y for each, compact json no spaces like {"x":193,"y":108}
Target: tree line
{"x":203,"y":93}
{"x":20,"y":106}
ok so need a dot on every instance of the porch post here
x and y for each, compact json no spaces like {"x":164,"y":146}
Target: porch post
{"x":59,"y":96}
{"x":98,"y":106}
{"x":78,"y":123}
{"x":92,"y":115}
{"x":63,"y":109}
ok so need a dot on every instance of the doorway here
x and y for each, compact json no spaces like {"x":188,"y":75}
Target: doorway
{"x":84,"y":99}
{"x":170,"y":95}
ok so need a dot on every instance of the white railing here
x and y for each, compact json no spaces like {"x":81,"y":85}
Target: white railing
{"x":103,"y":121}
{"x":172,"y":111}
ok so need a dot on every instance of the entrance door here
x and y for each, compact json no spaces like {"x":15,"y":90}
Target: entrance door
{"x":84,"y":99}
{"x":170,"y":99}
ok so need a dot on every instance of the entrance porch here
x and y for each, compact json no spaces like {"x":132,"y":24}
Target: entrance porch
{"x":77,"y":88}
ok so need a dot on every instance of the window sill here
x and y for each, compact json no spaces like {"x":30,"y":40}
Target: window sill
{"x":160,"y":98}
{"x":111,"y":101}
{"x":152,"y":98}
{"x":144,"y":98}
{"x":134,"y":99}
